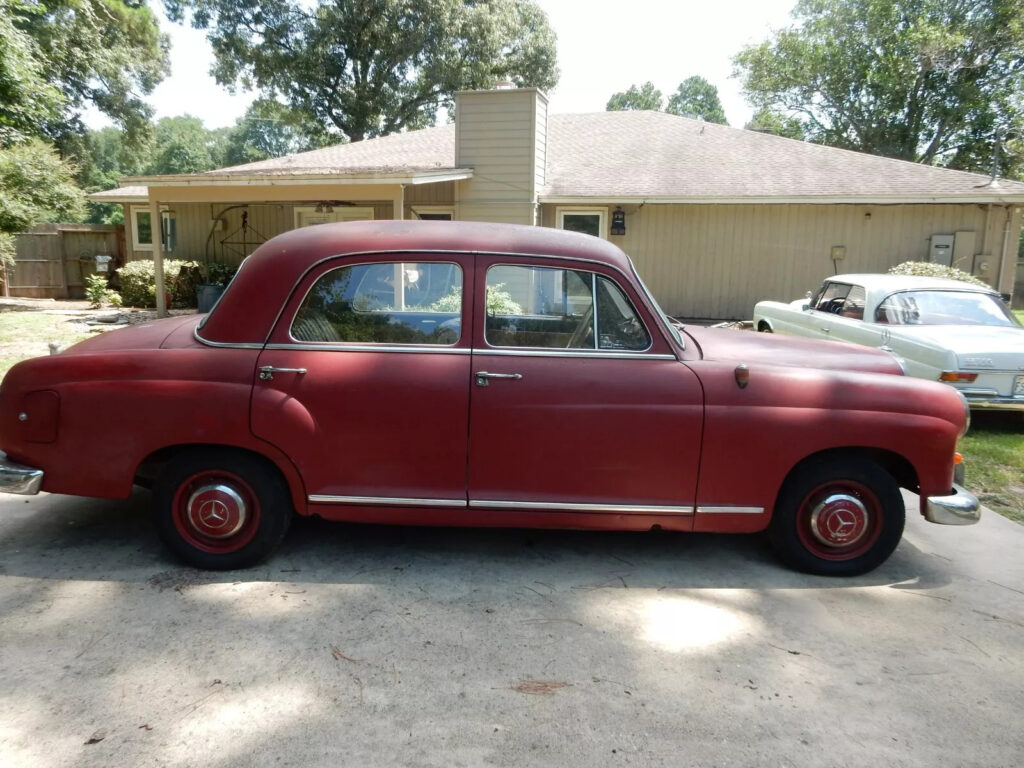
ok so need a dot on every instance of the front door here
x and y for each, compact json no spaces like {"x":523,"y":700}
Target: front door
{"x":365,"y":382}
{"x":577,"y":402}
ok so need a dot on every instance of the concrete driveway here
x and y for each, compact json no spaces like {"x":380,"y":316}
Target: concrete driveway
{"x":366,"y":646}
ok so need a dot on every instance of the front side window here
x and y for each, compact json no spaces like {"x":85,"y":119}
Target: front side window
{"x":384,"y":303}
{"x":546,"y":308}
{"x":832,"y":298}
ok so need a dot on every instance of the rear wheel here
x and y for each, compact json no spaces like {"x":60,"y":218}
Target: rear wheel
{"x":838,"y":517}
{"x":221,"y":509}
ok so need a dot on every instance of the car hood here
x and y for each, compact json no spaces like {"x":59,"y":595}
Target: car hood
{"x":149,"y":335}
{"x":976,"y":346}
{"x":747,"y":347}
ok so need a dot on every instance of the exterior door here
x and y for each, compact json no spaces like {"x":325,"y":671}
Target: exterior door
{"x":365,"y":382}
{"x":577,"y":402}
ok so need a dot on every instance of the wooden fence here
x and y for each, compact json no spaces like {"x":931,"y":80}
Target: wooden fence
{"x":53,"y":260}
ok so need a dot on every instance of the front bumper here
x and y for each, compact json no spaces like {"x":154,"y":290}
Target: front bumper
{"x":17,"y":478}
{"x":959,"y":508}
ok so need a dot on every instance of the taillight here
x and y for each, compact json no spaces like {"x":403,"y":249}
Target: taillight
{"x":957,"y":376}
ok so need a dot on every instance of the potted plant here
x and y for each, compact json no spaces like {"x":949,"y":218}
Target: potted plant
{"x":217,"y":276}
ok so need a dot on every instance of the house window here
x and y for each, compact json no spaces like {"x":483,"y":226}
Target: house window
{"x":308,"y":215}
{"x":589,"y":221}
{"x":434,"y":212}
{"x":384,"y":303}
{"x":560,"y":309}
{"x":142,"y":229}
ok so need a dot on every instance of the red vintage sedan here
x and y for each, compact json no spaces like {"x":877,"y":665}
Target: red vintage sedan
{"x":440,"y":373}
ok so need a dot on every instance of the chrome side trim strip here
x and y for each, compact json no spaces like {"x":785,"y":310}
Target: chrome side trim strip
{"x":370,"y":348}
{"x":622,"y":509}
{"x":528,"y":352}
{"x":386,"y":501}
{"x":730,"y":510}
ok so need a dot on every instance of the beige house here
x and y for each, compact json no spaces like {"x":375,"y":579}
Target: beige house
{"x":715,"y":218}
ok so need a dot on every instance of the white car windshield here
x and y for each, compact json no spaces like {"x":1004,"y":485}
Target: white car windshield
{"x":943,"y":308}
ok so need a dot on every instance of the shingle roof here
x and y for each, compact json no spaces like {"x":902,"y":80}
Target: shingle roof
{"x":645,"y":154}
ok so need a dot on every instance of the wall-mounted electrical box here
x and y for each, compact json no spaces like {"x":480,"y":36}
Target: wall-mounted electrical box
{"x":838,"y":252}
{"x":941,"y":250}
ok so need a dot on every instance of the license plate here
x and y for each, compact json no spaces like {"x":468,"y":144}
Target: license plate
{"x":1018,"y":386}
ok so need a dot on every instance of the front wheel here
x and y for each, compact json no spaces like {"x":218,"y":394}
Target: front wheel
{"x":221,"y":509}
{"x":838,"y":517}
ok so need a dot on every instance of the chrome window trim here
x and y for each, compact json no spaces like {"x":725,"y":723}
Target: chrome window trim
{"x":593,"y":301}
{"x":627,"y":509}
{"x":386,"y":501}
{"x":730,"y":510}
{"x":545,"y":352}
{"x":462,"y":287}
{"x":332,"y":347}
{"x":226,"y":344}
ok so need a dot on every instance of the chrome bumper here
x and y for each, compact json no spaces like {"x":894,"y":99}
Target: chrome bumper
{"x":960,"y":508}
{"x":17,"y":478}
{"x":996,"y":403}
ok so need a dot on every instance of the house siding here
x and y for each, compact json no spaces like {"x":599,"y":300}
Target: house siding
{"x":717,"y":261}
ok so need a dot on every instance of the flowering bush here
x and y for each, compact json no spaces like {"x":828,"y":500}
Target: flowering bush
{"x":928,"y":269}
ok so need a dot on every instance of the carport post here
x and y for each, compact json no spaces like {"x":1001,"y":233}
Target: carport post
{"x":398,"y":204}
{"x":157,"y":236}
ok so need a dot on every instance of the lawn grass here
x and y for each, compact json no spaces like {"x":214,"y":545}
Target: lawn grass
{"x":28,"y":334}
{"x":993,"y":453}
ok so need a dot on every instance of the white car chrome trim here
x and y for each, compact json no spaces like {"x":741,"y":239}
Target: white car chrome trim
{"x":623,"y":509}
{"x":385,"y":501}
{"x":730,"y":510}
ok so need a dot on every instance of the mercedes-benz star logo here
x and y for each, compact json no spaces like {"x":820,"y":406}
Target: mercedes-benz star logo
{"x":840,"y":522}
{"x":213,"y":512}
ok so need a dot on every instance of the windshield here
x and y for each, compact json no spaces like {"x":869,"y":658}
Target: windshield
{"x":943,"y":308}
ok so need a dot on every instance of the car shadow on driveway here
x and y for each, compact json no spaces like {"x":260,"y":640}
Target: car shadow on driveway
{"x":68,"y":538}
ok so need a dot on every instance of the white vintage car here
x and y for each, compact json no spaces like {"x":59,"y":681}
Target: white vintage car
{"x":939,"y":329}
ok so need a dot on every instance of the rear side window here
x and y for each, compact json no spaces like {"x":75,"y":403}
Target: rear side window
{"x":541,"y":307}
{"x":384,"y":303}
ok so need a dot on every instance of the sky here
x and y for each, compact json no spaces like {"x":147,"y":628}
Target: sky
{"x":604,"y":46}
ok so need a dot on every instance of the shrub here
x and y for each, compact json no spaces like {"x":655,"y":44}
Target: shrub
{"x":98,"y":293}
{"x":138,"y":282}
{"x":929,"y":269}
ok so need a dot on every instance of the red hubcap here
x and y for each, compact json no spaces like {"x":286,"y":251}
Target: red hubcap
{"x":839,"y":521}
{"x":216,"y":512}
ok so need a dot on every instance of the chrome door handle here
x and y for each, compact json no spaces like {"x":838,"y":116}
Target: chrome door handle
{"x":267,"y":372}
{"x":483,"y":376}
{"x":826,"y":329}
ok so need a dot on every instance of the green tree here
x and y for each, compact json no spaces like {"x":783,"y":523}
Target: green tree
{"x":696,"y":97}
{"x":184,"y":145}
{"x":270,"y":129}
{"x":922,"y":80}
{"x":106,"y":54}
{"x":36,"y":185}
{"x":27,"y":100}
{"x":373,"y":67}
{"x":644,"y":96}
{"x":768,"y":120}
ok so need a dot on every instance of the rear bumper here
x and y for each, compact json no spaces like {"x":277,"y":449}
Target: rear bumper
{"x":959,"y":508}
{"x":996,"y":403}
{"x":17,"y":478}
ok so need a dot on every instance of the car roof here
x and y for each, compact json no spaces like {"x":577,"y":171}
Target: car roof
{"x":889,"y":283}
{"x":247,"y":311}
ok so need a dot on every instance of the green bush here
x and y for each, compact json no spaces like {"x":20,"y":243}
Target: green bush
{"x":138,"y":283}
{"x":929,"y":269}
{"x":98,"y":293}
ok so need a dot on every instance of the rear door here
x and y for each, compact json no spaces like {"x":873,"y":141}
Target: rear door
{"x":365,"y":381}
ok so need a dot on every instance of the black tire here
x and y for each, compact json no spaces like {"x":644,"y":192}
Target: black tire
{"x":837,"y":517}
{"x":763,"y":327}
{"x":221,"y":508}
